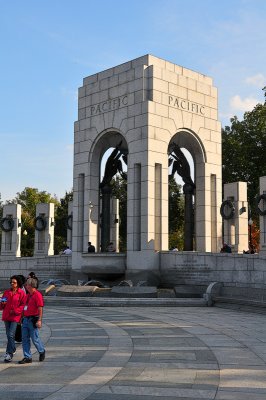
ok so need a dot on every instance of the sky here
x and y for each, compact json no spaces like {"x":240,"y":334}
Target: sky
{"x":48,"y":47}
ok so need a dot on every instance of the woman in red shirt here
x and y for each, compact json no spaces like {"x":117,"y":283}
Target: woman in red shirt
{"x":12,"y":303}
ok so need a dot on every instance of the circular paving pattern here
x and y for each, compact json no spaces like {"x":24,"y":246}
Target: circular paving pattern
{"x":146,"y":353}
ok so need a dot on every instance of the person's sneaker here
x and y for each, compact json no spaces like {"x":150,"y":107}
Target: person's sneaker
{"x":42,"y":356}
{"x":8,"y":357}
{"x":14,"y":352}
{"x":25,"y":361}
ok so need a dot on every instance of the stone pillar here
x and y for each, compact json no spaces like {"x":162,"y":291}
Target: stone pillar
{"x":69,"y":224}
{"x":189,"y":217}
{"x":262,"y":210}
{"x":80,"y":222}
{"x":157,"y":207}
{"x":44,"y":230}
{"x":134,"y":210}
{"x":114,"y":223}
{"x":236,"y":228}
{"x":11,"y":230}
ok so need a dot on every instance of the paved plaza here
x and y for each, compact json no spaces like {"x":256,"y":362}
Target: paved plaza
{"x":140,"y":353}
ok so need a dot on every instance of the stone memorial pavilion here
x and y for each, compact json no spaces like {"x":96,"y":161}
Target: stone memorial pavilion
{"x":147,"y":107}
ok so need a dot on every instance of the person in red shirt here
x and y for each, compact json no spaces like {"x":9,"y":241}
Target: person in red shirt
{"x":32,"y":322}
{"x":12,"y":303}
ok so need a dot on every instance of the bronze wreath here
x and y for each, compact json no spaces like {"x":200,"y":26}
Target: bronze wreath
{"x":69,"y":221}
{"x":40,"y":223}
{"x":7,"y":224}
{"x":230,"y":205}
{"x":259,"y":198}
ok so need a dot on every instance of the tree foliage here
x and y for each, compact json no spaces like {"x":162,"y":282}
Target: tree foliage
{"x":176,"y":215}
{"x":61,"y":214}
{"x":244,"y":149}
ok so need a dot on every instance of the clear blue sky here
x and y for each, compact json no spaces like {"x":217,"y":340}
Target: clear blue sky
{"x":48,"y":47}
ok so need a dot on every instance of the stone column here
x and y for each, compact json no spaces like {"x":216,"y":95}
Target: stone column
{"x":11,"y":230}
{"x":236,"y":228}
{"x":114,"y":223}
{"x":80,"y":221}
{"x":44,"y":230}
{"x":262,"y":210}
{"x":189,"y":217}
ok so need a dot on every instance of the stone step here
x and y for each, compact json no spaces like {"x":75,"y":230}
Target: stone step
{"x":123,"y":302}
{"x":240,"y":301}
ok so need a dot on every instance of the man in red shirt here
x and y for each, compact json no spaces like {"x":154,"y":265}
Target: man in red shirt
{"x":12,"y":304}
{"x":32,"y":322}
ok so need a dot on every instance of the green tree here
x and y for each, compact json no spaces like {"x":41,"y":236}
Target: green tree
{"x":61,"y":215}
{"x":244,"y":149}
{"x":176,"y":215}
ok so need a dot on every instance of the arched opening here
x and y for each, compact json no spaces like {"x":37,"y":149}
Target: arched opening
{"x":107,"y":193}
{"x":176,"y":204}
{"x":185,"y":153}
{"x":113,"y":200}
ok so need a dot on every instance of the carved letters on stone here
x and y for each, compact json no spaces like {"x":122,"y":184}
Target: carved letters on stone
{"x":108,"y":105}
{"x":186,"y":105}
{"x":122,"y":101}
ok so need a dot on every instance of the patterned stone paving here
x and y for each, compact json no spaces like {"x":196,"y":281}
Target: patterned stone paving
{"x":144,"y":353}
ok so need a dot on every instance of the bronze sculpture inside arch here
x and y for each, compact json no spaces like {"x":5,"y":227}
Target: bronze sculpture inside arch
{"x":180,"y":165}
{"x":112,"y":167}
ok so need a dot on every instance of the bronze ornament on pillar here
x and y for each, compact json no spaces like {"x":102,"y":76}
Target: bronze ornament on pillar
{"x":7,"y":224}
{"x":40,"y":223}
{"x":259,"y":198}
{"x":227,"y":209}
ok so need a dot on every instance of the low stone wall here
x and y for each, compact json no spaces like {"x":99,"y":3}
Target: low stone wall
{"x":100,"y":264}
{"x":176,"y":268}
{"x":186,"y":268}
{"x":44,"y":267}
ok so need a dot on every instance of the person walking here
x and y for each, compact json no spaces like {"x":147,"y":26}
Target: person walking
{"x":12,"y":303}
{"x":32,"y":275}
{"x":32,"y":322}
{"x":18,"y":334}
